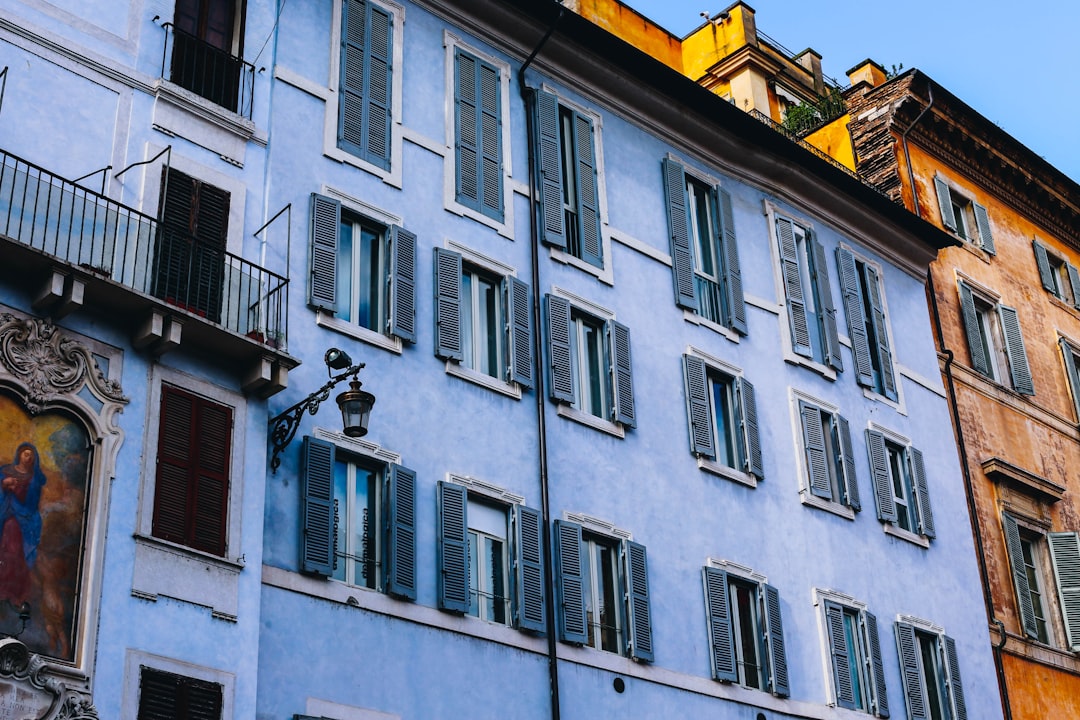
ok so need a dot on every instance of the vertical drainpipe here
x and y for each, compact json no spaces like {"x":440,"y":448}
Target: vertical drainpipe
{"x":538,"y":350}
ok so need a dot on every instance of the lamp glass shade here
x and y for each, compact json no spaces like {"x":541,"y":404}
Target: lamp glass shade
{"x":355,"y":407}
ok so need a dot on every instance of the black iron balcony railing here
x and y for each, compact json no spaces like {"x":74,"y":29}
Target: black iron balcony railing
{"x":85,"y":229}
{"x":208,"y":71}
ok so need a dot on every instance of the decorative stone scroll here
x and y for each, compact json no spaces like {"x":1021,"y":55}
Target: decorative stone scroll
{"x":27,"y":693}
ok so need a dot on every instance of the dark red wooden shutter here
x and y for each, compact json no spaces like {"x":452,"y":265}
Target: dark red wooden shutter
{"x":165,"y":696}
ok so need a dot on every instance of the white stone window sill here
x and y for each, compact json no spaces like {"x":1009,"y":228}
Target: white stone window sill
{"x":603,"y":274}
{"x":611,"y":428}
{"x":810,"y":499}
{"x":692,"y":317}
{"x":177,"y":571}
{"x":821,"y":369}
{"x":327,"y":320}
{"x":508,"y":389}
{"x":715,"y":468}
{"x":920,"y":540}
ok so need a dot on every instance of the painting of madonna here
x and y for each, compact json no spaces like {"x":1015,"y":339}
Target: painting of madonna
{"x":20,"y":522}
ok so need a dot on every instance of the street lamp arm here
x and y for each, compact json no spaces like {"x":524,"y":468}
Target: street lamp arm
{"x":284,"y":426}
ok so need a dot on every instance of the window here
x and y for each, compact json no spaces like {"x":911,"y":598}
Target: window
{"x":359,"y":519}
{"x":860,"y":285}
{"x":705,"y":257}
{"x":1071,"y":356}
{"x":565,"y":149}
{"x":745,"y":631}
{"x":207,"y":45}
{"x":478,"y":135}
{"x":1065,"y":557}
{"x":830,"y":459}
{"x":165,"y":696}
{"x":808,"y":294}
{"x":590,"y":365}
{"x":483,"y":320}
{"x":930,"y":670}
{"x":722,"y":417}
{"x":900,"y":487}
{"x":363,"y":273}
{"x":994,"y":340}
{"x":480,"y":543}
{"x":964,"y":217}
{"x":1059,"y":277}
{"x":191,"y":493}
{"x":854,"y":648}
{"x":603,"y":591}
{"x":189,"y":255}
{"x":364,"y":107}
{"x":1024,"y":549}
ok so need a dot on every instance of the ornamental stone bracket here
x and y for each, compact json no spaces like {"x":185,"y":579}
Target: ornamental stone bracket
{"x":28,"y":693}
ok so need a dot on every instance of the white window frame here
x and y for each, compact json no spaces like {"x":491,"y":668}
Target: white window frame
{"x":743,"y":574}
{"x":613,"y":537}
{"x":135,"y":660}
{"x":892,"y":528}
{"x":821,"y":595}
{"x":566,"y":410}
{"x":926,"y":627}
{"x":870,"y":393}
{"x":990,"y":330}
{"x":806,"y":497}
{"x":716,"y":365}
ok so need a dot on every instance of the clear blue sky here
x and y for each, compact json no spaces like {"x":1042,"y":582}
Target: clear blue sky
{"x":1013,"y":62}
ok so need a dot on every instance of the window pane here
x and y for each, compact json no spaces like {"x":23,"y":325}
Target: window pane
{"x":745,"y":619}
{"x":855,"y":655}
{"x":609,"y":608}
{"x":343,"y":281}
{"x":468,"y":333}
{"x":725,"y":421}
{"x":496,"y":579}
{"x":1035,"y":585}
{"x":341,"y":506}
{"x":474,"y":575}
{"x":370,"y":277}
{"x":933,"y":678}
{"x":488,"y":344}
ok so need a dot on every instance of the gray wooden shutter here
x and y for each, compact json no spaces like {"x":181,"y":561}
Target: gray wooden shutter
{"x":448,"y":304}
{"x":402,"y":284}
{"x":982,"y":221}
{"x":325,"y":223}
{"x":838,"y":652}
{"x":907,"y":648}
{"x":637,"y":595}
{"x":879,"y":696}
{"x":453,"y":547}
{"x":1042,"y":260}
{"x":519,"y":324}
{"x":979,"y":361}
{"x":827,"y":310}
{"x":850,"y":289}
{"x":956,"y":685}
{"x":560,"y":373}
{"x":588,"y":191}
{"x":569,"y":583}
{"x":945,"y":204}
{"x":1065,"y":557}
{"x":379,"y":88}
{"x":401,"y":532}
{"x":529,"y":599}
{"x":682,"y":261}
{"x":744,"y":391}
{"x":1014,"y":348}
{"x":1020,"y":579}
{"x":698,"y":407}
{"x":847,"y":462}
{"x":1074,"y":283}
{"x":491,"y":173}
{"x":1070,"y":370}
{"x":733,"y":286}
{"x":881,"y":332}
{"x":879,"y":471}
{"x":814,"y":448}
{"x":353,"y":68}
{"x":320,"y":517}
{"x":466,"y":111}
{"x":793,"y":289}
{"x":549,"y":167}
{"x":774,"y":641}
{"x":718,"y":613}
{"x":623,"y":376}
{"x":922,"y":492}
{"x":366,"y":82}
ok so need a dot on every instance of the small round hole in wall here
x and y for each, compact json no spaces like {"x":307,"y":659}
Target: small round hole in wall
{"x":761,"y":716}
{"x":619,"y":684}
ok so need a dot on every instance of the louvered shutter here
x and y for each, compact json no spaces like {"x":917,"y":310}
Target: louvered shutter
{"x":466,"y":107}
{"x":814,"y":449}
{"x":879,"y":471}
{"x":317,"y":543}
{"x":452,"y":532}
{"x":880,"y":697}
{"x":619,"y":337}
{"x":682,"y":260}
{"x":401,"y":532}
{"x":733,"y":286}
{"x":1074,"y":283}
{"x":774,"y":641}
{"x":366,"y":82}
{"x":211,"y":501}
{"x":588,"y":210}
{"x":907,"y":648}
{"x":982,"y":221}
{"x":945,"y":204}
{"x":208,"y":258}
{"x":922,"y":492}
{"x":718,"y":613}
{"x":549,"y":167}
{"x":158,"y":695}
{"x":448,"y":304}
{"x":1020,"y":579}
{"x":558,"y":341}
{"x":353,"y":68}
{"x":838,"y":652}
{"x":636,"y":570}
{"x":1065,"y":556}
{"x":176,"y":462}
{"x":847,"y":462}
{"x":698,"y":407}
{"x":1069,"y":356}
{"x":173,"y":251}
{"x":529,"y":597}
{"x":519,"y":323}
{"x":204,"y":699}
{"x":491,"y":181}
{"x":850,"y":288}
{"x":881,"y":332}
{"x":379,"y":87}
{"x":325,"y":225}
{"x":827,"y":310}
{"x":793,"y":289}
{"x":569,"y":583}
{"x":749,"y":422}
{"x":979,"y":361}
{"x":402,"y":322}
{"x":1042,"y":260}
{"x":1014,"y":348}
{"x":956,"y":685}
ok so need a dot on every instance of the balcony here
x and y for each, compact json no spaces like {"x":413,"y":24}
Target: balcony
{"x":164,"y":285}
{"x":208,"y":71}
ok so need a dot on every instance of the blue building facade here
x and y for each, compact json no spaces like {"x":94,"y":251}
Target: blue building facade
{"x":658,"y":430}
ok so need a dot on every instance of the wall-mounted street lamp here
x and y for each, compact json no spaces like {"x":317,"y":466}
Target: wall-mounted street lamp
{"x":355,"y":405}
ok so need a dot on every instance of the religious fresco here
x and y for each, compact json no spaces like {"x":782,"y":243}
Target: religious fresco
{"x":44,"y":484}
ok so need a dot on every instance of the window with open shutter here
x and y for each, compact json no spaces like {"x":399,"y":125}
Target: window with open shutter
{"x":519,"y":324}
{"x":1069,"y":355}
{"x":844,"y":683}
{"x":1014,"y":348}
{"x":558,"y":344}
{"x":569,"y":583}
{"x":167,"y":696}
{"x":448,"y":304}
{"x":317,"y":552}
{"x":1015,"y":550}
{"x":826,"y":311}
{"x":880,"y":473}
{"x":325,"y":221}
{"x":401,"y":532}
{"x":880,"y":697}
{"x":364,"y":113}
{"x":402,"y":321}
{"x":530,"y":596}
{"x":733,"y":286}
{"x":793,"y":288}
{"x":637,"y":594}
{"x":774,"y":642}
{"x":623,"y":386}
{"x":1065,"y":557}
{"x":679,"y":235}
{"x":698,"y":406}
{"x":453,"y":547}
{"x":718,"y":614}
{"x":748,"y":417}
